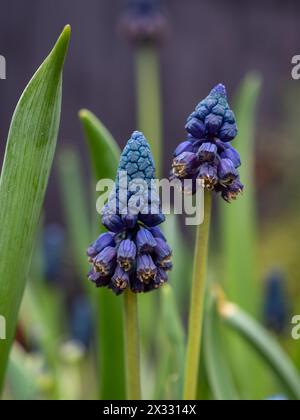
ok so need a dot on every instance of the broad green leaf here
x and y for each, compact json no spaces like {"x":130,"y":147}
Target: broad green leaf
{"x":264,"y":343}
{"x":218,"y":370}
{"x":104,"y":157}
{"x":27,"y":163}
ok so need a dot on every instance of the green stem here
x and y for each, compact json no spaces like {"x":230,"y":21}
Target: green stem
{"x":197,"y":304}
{"x":149,"y":99}
{"x":110,"y":346}
{"x":149,"y":121}
{"x":132,"y":349}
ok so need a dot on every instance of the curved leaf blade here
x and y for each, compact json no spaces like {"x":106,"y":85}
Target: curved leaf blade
{"x":75,"y":207}
{"x":22,"y":378}
{"x":104,"y":150}
{"x":104,"y":157}
{"x":27,"y":163}
{"x":219,"y":375}
{"x":263,"y":342}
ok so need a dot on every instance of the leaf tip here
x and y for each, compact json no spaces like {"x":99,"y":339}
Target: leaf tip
{"x":61,"y":47}
{"x":67,"y":29}
{"x":83,"y":114}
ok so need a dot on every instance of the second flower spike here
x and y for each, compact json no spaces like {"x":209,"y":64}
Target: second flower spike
{"x":206,"y":156}
{"x":134,"y":252}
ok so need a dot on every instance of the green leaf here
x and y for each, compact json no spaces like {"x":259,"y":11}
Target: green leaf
{"x":149,"y":108}
{"x":264,"y":343}
{"x":170,"y":372}
{"x":219,"y":375}
{"x":44,"y":308}
{"x":239,"y":233}
{"x":27,"y":163}
{"x":76,"y":211}
{"x":239,"y":239}
{"x":22,"y":378}
{"x":182,"y":260}
{"x":104,"y":157}
{"x":104,"y":150}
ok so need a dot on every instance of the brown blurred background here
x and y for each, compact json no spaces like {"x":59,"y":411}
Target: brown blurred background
{"x":208,"y":42}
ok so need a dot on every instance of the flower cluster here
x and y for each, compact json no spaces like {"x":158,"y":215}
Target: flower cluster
{"x":207,"y":155}
{"x":134,"y":252}
{"x":144,"y":23}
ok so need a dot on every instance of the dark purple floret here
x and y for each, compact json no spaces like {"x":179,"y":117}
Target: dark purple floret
{"x":232,"y":191}
{"x":201,"y":112}
{"x":105,"y":261}
{"x":208,"y":152}
{"x":228,"y":132}
{"x":213,"y":124}
{"x":229,"y":116}
{"x":161,"y":277}
{"x":126,"y":254}
{"x":219,"y":110}
{"x":220,"y":89}
{"x":167,"y":265}
{"x":196,"y":128}
{"x":120,"y":280}
{"x":130,"y":220}
{"x":227,"y":172}
{"x":97,"y":278}
{"x":152,"y":220}
{"x":157,"y":233}
{"x":233,"y":155}
{"x":145,"y":241}
{"x":146,"y":269}
{"x":113,"y":222}
{"x":209,"y":175}
{"x":104,"y":240}
{"x":163,"y":252}
{"x":186,"y":146}
{"x":137,"y":286}
{"x":185,"y":164}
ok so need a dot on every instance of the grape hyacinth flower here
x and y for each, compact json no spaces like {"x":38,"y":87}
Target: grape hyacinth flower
{"x":144,"y":22}
{"x":134,"y":253}
{"x":206,"y":156}
{"x":276,"y":307}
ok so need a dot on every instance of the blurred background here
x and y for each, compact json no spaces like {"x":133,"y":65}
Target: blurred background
{"x":205,"y":42}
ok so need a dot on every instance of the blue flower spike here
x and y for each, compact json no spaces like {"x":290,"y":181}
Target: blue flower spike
{"x":134,"y":253}
{"x":207,"y":155}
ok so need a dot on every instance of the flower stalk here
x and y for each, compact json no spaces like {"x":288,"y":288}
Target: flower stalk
{"x":197,"y":303}
{"x":132,"y":347}
{"x":149,"y":99}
